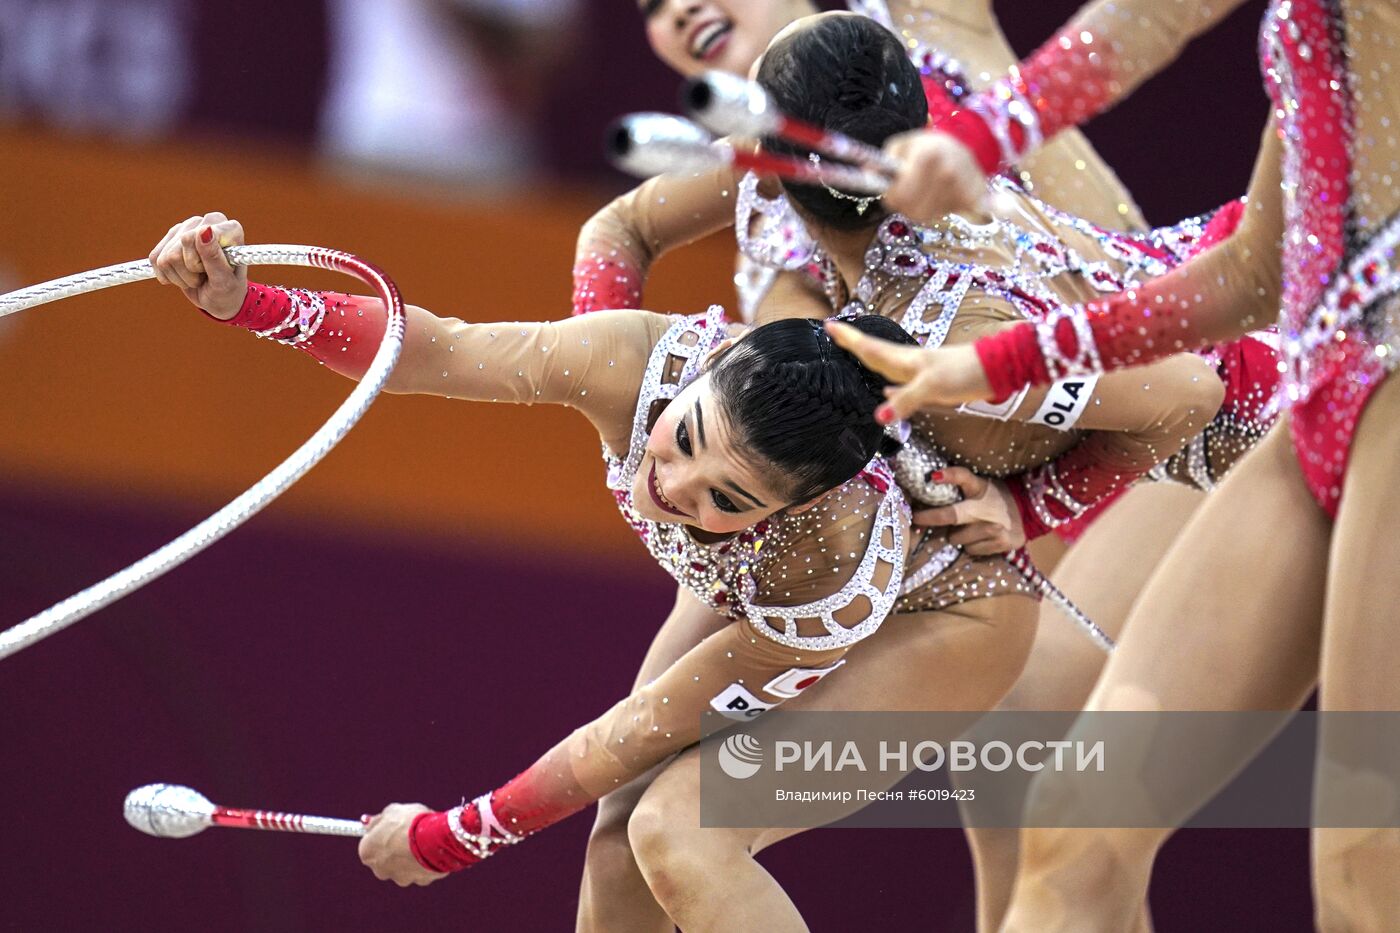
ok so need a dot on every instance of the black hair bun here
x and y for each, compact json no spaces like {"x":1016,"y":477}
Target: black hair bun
{"x":851,"y":75}
{"x":799,"y":403}
{"x":860,"y":86}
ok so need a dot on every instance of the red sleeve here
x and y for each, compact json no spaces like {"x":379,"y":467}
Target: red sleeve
{"x":451,"y":840}
{"x":605,"y":284}
{"x":328,"y":325}
{"x":1094,"y":61}
{"x":1080,"y":341}
{"x":1062,"y":490}
{"x":1130,"y":328}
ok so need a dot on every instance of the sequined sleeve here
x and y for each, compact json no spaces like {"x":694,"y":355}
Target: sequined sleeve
{"x":1219,"y":295}
{"x":617,"y":246}
{"x":958,"y":53}
{"x":591,"y":363}
{"x":1123,"y":425}
{"x":1096,"y":60}
{"x":735,"y":673}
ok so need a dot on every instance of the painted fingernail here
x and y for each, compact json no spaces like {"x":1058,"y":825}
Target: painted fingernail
{"x":935,"y":475}
{"x":884,"y":414}
{"x":206,"y":234}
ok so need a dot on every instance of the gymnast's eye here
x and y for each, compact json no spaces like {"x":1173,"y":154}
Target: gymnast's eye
{"x":683,"y":437}
{"x":723,"y":502}
{"x":651,"y":7}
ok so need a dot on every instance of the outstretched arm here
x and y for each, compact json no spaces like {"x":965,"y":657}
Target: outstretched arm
{"x":1134,"y":421}
{"x":726,"y":673}
{"x":1099,"y":58}
{"x":1219,"y":295}
{"x":971,"y":50}
{"x":806,"y":605}
{"x":592,"y":364}
{"x":1130,"y":422}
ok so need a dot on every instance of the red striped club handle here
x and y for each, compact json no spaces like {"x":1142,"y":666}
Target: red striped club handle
{"x":285,"y":822}
{"x":173,"y":811}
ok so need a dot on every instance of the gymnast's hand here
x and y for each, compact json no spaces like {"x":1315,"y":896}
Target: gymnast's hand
{"x":985,"y":522}
{"x":384,"y":847}
{"x":938,"y":175}
{"x":191,"y":256}
{"x":942,"y":378}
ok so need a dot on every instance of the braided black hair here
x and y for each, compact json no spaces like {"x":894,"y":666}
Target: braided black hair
{"x":849,"y":74}
{"x":796,"y":401}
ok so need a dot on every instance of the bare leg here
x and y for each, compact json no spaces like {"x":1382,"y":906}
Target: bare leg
{"x":1102,"y":573}
{"x":1231,"y":621}
{"x":1355,"y":870}
{"x":961,"y":659}
{"x":614,"y":895}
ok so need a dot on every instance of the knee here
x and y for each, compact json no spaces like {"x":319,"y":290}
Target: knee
{"x":1103,"y":859}
{"x":673,"y":858}
{"x":656,"y":838}
{"x":1354,"y":872}
{"x":1041,"y":849}
{"x":1057,"y":805}
{"x":609,"y":851}
{"x":1056,"y":800}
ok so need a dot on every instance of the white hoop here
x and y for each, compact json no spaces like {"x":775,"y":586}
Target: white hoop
{"x":132,"y":578}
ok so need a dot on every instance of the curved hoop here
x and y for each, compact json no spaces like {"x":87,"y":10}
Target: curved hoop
{"x":158,"y":562}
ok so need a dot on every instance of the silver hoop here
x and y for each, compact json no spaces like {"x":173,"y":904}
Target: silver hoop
{"x":167,"y":558}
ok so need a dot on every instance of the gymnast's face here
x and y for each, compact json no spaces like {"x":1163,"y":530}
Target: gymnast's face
{"x":695,"y":36}
{"x":692,"y":474}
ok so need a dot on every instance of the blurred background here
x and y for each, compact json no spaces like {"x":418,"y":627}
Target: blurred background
{"x":451,"y":590}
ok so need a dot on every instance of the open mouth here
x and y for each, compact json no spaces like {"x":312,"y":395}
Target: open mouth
{"x":659,"y":497}
{"x":708,"y":40}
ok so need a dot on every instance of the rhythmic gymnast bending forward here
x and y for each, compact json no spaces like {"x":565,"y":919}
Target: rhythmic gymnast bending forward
{"x":1233,"y":620}
{"x":983,"y":271}
{"x":750,"y":472}
{"x":956,"y":45}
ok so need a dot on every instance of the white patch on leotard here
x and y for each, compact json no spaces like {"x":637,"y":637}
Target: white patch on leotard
{"x":735,"y":702}
{"x":1065,"y":402}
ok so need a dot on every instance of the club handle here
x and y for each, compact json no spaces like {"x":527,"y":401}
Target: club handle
{"x":286,"y":822}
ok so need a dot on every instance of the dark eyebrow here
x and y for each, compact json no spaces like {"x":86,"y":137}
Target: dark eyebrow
{"x":700,"y":423}
{"x":747,"y":495}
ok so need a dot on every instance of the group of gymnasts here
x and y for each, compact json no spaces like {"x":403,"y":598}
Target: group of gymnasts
{"x":1188,"y":428}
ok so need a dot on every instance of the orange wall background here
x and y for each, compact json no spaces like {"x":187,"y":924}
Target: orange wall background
{"x":131,"y":393}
